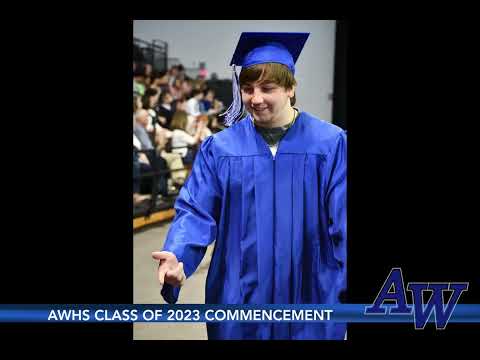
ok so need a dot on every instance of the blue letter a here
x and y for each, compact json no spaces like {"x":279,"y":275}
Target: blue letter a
{"x":398,"y":295}
{"x":436,"y":302}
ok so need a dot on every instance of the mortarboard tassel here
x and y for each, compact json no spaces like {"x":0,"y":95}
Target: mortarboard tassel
{"x":235,"y":110}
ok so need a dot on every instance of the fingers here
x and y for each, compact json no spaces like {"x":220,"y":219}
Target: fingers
{"x":183,"y":277}
{"x":161,"y":255}
{"x":169,"y":270}
{"x":165,"y":255}
{"x":176,"y":277}
{"x":180,"y":274}
{"x":162,"y":270}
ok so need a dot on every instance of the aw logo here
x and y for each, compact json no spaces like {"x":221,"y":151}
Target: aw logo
{"x":421,"y":311}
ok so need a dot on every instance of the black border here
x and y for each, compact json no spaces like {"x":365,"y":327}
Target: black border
{"x":412,"y":181}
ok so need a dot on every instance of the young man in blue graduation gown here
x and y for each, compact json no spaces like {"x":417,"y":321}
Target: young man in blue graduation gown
{"x":271,"y":191}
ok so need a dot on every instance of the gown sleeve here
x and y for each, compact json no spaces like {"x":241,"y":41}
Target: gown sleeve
{"x":197,"y":210}
{"x":337,"y":206}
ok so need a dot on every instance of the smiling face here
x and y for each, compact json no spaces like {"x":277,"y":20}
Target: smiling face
{"x":267,"y":93}
{"x":268,"y":102}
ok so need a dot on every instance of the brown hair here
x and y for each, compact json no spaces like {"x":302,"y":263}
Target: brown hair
{"x":274,"y":72}
{"x":179,"y":120}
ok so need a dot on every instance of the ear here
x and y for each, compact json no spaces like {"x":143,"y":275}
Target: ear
{"x":291,"y":92}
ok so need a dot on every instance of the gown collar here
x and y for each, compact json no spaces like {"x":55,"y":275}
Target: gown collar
{"x":286,"y":144}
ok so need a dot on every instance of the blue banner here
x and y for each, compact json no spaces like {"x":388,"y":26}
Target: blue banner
{"x":350,"y":313}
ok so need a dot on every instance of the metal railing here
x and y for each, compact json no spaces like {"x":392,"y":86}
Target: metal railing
{"x":154,"y":53}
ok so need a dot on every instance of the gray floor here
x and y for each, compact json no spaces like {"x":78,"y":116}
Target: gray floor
{"x":147,"y":289}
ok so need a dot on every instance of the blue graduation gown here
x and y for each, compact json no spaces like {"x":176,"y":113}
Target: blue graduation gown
{"x":279,"y":224}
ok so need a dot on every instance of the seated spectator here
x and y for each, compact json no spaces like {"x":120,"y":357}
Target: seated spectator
{"x":193,"y":104}
{"x":139,"y":80}
{"x":149,"y":138}
{"x":205,"y":132}
{"x":140,"y":129}
{"x":157,"y":163}
{"x":186,"y":87}
{"x":176,"y":89}
{"x":137,"y":103}
{"x":138,"y":159}
{"x":172,"y":74}
{"x":139,"y":164}
{"x":181,"y":104}
{"x":193,"y":110}
{"x":181,"y":72}
{"x":174,"y":161}
{"x":207,"y":102}
{"x":150,"y":103}
{"x":209,"y":105}
{"x":164,"y":108}
{"x":182,"y":142}
{"x":160,"y":81}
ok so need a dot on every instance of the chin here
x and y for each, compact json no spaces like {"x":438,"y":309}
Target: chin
{"x":263,"y":119}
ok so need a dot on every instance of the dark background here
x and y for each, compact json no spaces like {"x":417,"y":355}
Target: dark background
{"x":412,"y":173}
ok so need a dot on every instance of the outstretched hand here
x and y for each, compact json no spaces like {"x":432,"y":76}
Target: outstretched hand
{"x":170,"y":271}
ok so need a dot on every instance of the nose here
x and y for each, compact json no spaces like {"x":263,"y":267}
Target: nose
{"x":257,"y":97}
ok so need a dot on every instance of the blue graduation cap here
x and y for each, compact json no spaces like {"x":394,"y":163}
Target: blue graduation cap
{"x":259,"y":48}
{"x":255,"y":48}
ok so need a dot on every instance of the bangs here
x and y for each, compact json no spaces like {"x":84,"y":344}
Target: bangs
{"x":270,"y":72}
